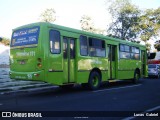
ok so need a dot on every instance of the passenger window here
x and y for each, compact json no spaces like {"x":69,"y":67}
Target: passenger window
{"x":124,"y":55}
{"x":128,"y":52}
{"x":127,"y":48}
{"x":54,"y":37}
{"x":97,"y":47}
{"x":83,"y":46}
{"x":124,"y":51}
{"x":135,"y":53}
{"x":122,"y":48}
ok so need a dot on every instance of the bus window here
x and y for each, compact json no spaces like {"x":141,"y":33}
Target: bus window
{"x":127,"y":48}
{"x":137,"y":50}
{"x":122,"y":48}
{"x":65,"y":48}
{"x":135,"y":53}
{"x":124,"y":51}
{"x":72,"y":48}
{"x":97,"y":47}
{"x":83,"y":46}
{"x":54,"y":41}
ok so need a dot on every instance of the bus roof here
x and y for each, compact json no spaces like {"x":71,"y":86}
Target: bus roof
{"x":50,"y":25}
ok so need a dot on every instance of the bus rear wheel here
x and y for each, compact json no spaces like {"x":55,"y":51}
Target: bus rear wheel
{"x":136,"y":77}
{"x":94,"y":80}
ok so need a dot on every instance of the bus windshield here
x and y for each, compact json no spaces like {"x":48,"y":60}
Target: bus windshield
{"x":25,"y":36}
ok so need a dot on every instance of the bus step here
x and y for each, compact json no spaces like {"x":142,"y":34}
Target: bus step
{"x":114,"y":81}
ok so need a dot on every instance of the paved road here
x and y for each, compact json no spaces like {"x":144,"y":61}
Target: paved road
{"x":10,"y":86}
{"x":121,"y":97}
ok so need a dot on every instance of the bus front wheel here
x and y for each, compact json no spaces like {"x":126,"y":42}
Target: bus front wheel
{"x":94,"y":80}
{"x":136,"y":77}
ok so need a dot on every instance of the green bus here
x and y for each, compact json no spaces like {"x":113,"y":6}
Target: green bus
{"x":64,"y":56}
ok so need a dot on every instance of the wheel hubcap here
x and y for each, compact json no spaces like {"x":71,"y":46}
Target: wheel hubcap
{"x":95,"y":81}
{"x":137,"y":76}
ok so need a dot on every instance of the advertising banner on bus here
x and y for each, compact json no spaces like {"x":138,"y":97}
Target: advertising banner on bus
{"x":25,"y":36}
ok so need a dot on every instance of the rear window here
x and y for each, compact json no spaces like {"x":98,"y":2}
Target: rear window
{"x":25,"y":36}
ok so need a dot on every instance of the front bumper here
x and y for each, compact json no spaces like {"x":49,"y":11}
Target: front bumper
{"x":152,"y":74}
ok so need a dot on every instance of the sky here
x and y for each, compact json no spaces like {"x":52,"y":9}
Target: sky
{"x":15,"y":13}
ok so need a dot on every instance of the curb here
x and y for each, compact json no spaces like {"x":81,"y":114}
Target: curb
{"x":31,"y":90}
{"x":10,"y":86}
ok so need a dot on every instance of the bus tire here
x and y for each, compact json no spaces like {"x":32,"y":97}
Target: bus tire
{"x":136,"y":77}
{"x":94,"y":80}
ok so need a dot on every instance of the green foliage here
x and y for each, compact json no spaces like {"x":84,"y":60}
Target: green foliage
{"x":48,"y":15}
{"x":5,"y":41}
{"x":115,"y":6}
{"x":126,"y":17}
{"x":149,"y":24}
{"x":130,"y":23}
{"x":148,"y":46}
{"x":157,"y":45}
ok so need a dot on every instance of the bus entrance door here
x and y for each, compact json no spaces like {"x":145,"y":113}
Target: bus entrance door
{"x":112,"y":61}
{"x":69,"y":60}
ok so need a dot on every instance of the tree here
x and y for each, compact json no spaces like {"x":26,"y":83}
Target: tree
{"x":87,"y":24}
{"x":157,"y":45}
{"x":126,"y":18}
{"x":148,"y":46}
{"x":5,"y":41}
{"x":150,"y":25}
{"x":48,"y":15}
